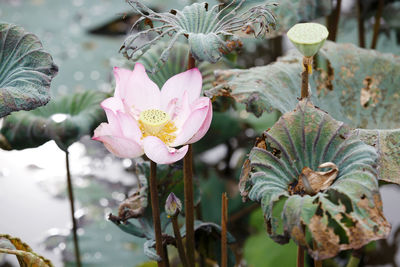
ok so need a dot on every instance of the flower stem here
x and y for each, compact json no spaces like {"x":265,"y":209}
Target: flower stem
{"x":156,"y":213}
{"x":377,"y":24}
{"x":360,"y":21}
{"x":307,"y":68}
{"x":189,"y":206}
{"x":179,"y":243}
{"x":300,"y":256}
{"x":72,"y":206}
{"x":188,"y":192}
{"x":224,"y":219}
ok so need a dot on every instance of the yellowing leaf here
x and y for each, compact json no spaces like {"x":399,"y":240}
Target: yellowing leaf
{"x":26,"y":257}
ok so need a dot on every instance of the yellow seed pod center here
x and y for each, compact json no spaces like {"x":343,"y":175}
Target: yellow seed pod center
{"x":155,"y":122}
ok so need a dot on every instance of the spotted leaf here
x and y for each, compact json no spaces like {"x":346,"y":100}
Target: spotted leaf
{"x":345,"y":215}
{"x":26,"y":70}
{"x":357,"y":86}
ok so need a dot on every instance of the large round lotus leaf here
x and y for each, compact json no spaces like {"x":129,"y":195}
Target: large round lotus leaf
{"x":26,"y":70}
{"x":64,"y":120}
{"x":23,"y":252}
{"x":357,"y":86}
{"x":211,"y":31}
{"x":345,"y":215}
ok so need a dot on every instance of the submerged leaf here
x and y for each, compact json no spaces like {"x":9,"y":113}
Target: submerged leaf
{"x":26,"y":70}
{"x":357,"y":86}
{"x":64,"y":120}
{"x":26,"y":257}
{"x":345,"y":215}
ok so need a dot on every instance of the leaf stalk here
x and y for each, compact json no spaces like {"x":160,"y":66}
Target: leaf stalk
{"x":72,"y":207}
{"x":360,"y":22}
{"x":377,"y":24}
{"x":224,"y":220}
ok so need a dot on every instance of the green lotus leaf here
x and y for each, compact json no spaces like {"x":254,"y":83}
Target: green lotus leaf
{"x":211,"y":32}
{"x":25,"y":255}
{"x":64,"y":120}
{"x":345,"y":215}
{"x":256,"y":245}
{"x":357,"y":86}
{"x":387,"y":145}
{"x":26,"y":70}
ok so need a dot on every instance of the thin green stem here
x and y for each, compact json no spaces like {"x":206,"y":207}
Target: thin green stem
{"x":188,"y":192}
{"x":156,"y":213}
{"x":179,"y":243}
{"x":353,"y":262}
{"x":72,"y":206}
{"x":377,"y":24}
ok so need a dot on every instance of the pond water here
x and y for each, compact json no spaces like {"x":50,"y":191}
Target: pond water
{"x":33,"y":198}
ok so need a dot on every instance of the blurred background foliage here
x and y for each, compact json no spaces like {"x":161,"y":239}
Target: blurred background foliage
{"x":84,"y":37}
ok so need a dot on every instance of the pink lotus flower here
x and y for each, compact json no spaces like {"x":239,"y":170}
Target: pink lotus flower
{"x":145,"y":120}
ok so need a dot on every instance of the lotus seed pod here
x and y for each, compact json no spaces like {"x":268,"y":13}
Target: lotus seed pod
{"x":308,"y":37}
{"x":173,"y":205}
